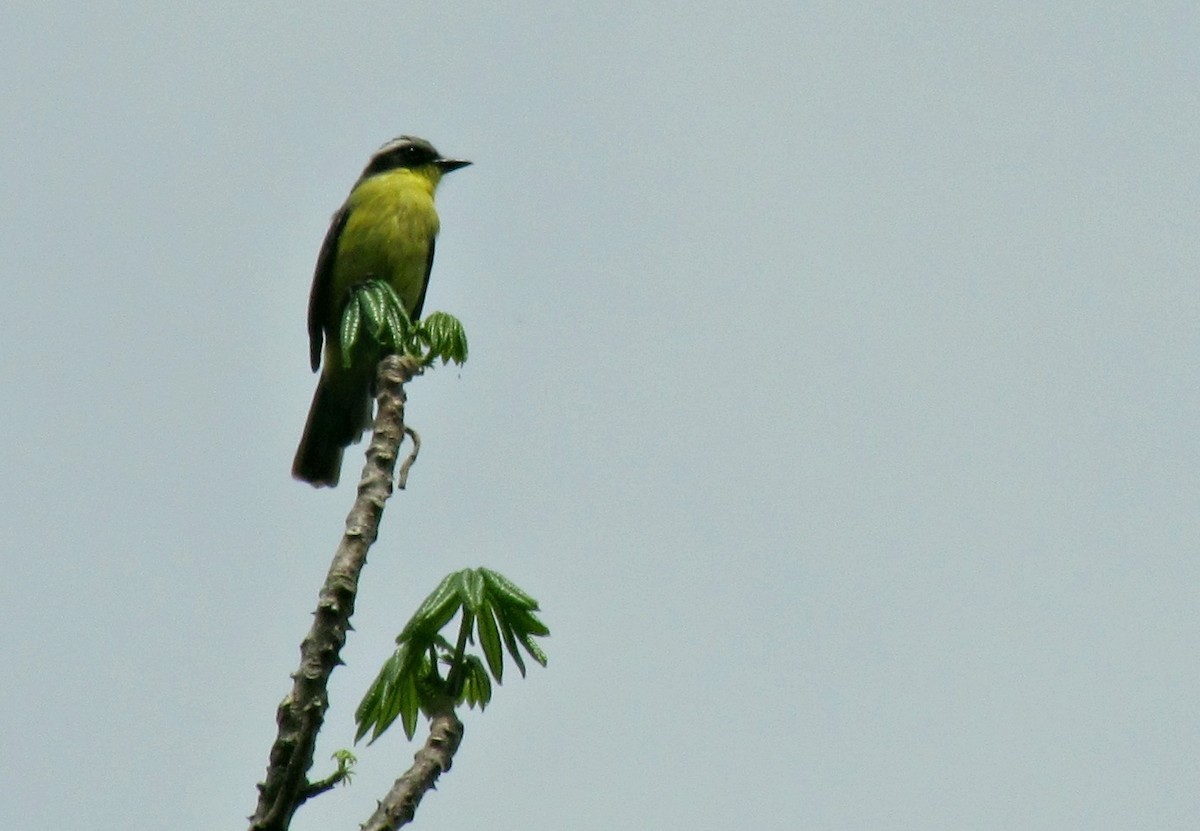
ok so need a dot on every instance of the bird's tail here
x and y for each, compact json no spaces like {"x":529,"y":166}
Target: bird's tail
{"x":339,"y":413}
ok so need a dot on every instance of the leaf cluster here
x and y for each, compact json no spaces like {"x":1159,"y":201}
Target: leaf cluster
{"x":494,"y":613}
{"x":374,"y":323}
{"x":345,"y":765}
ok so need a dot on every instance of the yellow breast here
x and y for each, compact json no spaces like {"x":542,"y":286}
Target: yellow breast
{"x":387,"y":235}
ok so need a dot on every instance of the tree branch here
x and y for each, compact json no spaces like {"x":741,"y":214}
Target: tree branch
{"x":431,"y":761}
{"x":327,"y":784}
{"x":302,"y":711}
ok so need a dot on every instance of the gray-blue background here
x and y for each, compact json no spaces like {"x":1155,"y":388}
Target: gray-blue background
{"x":833,"y":387}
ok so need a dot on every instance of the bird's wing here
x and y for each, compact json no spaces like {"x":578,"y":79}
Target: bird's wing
{"x":416,"y":311}
{"x":322,"y":288}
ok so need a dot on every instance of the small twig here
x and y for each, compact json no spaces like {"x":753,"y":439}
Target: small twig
{"x":431,"y":761}
{"x":321,"y":785}
{"x":301,"y":714}
{"x":402,"y":475}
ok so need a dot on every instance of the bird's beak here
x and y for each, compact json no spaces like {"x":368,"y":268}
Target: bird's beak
{"x":446,"y":165}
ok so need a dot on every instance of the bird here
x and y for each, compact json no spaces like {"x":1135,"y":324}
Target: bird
{"x":385,"y":231}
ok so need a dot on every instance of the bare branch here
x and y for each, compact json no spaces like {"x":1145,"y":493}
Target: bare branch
{"x":302,"y":712}
{"x":431,"y":761}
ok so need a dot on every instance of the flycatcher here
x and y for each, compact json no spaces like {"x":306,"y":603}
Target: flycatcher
{"x":385,"y":231}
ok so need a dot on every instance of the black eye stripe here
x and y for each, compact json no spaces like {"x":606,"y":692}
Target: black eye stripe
{"x":407,"y":154}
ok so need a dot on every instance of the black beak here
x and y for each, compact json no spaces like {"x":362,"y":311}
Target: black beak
{"x":446,"y":165}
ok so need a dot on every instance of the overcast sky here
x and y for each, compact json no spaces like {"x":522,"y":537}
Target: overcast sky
{"x":833,"y":386}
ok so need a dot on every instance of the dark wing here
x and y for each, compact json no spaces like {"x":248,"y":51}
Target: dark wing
{"x":416,"y":310}
{"x":320,"y":298}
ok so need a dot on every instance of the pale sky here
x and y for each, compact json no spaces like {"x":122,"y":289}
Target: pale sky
{"x":833,"y":386}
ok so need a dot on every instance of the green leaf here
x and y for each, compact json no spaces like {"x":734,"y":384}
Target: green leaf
{"x":436,"y":610}
{"x":526,"y":621}
{"x":533,"y":649}
{"x":378,"y":707}
{"x":394,"y":321}
{"x":510,"y":639}
{"x":471,"y":589}
{"x":371,"y":298}
{"x":393,"y":299}
{"x":396,"y":330}
{"x":373,"y":699}
{"x":489,"y":640}
{"x":369,"y":707}
{"x":506,"y":588}
{"x":409,"y":706}
{"x":445,"y":337}
{"x":351,"y":325}
{"x":477,"y":686}
{"x":383,"y":716}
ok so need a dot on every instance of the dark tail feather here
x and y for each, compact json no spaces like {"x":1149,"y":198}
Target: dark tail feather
{"x":336,"y":419}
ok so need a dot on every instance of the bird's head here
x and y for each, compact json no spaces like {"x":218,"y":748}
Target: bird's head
{"x":416,"y":154}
